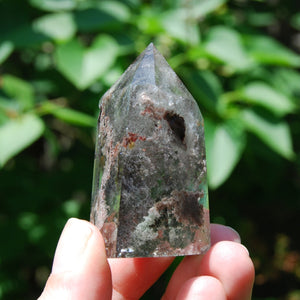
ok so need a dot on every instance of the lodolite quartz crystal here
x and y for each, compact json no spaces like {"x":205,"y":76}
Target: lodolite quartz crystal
{"x":150,"y":192}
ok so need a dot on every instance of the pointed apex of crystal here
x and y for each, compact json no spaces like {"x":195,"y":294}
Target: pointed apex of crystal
{"x":150,"y":191}
{"x":151,"y":69}
{"x":145,"y":71}
{"x":150,"y":47}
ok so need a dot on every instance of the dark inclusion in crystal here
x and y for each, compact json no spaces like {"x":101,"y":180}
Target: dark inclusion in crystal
{"x":150,"y":191}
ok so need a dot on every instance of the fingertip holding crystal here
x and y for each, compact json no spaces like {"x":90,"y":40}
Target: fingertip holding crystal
{"x":149,"y":189}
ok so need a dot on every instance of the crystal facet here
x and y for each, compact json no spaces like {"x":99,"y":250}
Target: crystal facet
{"x":150,"y":191}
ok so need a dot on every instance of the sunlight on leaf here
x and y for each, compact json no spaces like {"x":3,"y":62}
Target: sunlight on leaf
{"x":54,"y":5}
{"x":176,"y":24}
{"x":287,"y":81}
{"x":60,"y":26}
{"x":276,"y":135}
{"x":225,"y":144}
{"x":225,"y":44}
{"x":68,"y":115}
{"x":264,"y":95}
{"x":267,"y":50}
{"x":202,"y":8}
{"x":82,"y":66}
{"x":6,"y":48}
{"x":19,"y":90}
{"x":17,"y":134}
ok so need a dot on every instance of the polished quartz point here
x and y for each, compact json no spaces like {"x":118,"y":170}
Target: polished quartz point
{"x":150,"y":191}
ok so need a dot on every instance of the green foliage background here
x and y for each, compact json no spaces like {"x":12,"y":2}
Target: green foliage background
{"x":240,"y":60}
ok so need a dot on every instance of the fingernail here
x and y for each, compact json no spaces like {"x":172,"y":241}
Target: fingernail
{"x":71,"y":246}
{"x":237,"y":237}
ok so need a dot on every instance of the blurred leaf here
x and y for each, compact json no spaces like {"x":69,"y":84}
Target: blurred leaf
{"x":225,"y":45}
{"x":260,"y":18}
{"x":54,"y":5}
{"x":59,"y":26}
{"x":177,"y":24}
{"x":107,"y":15}
{"x":26,"y":36}
{"x":82,"y":66}
{"x":19,"y":90}
{"x":264,"y":95}
{"x":6,"y":48}
{"x":117,"y":8}
{"x":8,"y":109}
{"x":268,"y":51}
{"x":225,"y":144}
{"x":204,"y":86}
{"x":287,"y":81}
{"x":204,"y":7}
{"x":71,"y":208}
{"x":275,"y":134}
{"x":44,"y":86}
{"x":195,"y":10}
{"x":149,"y":21}
{"x":6,"y":286}
{"x":16,"y":24}
{"x":36,"y":233}
{"x":295,"y":22}
{"x":27,"y":220}
{"x":68,"y":115}
{"x":17,"y":134}
{"x":112,"y":75}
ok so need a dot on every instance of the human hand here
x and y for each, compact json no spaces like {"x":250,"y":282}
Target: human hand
{"x":81,"y":270}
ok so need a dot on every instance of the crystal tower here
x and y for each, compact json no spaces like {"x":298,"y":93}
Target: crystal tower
{"x":149,"y":190}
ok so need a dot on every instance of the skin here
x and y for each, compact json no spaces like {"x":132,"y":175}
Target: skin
{"x":81,"y":270}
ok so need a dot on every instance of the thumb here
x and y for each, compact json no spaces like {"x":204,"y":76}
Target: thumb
{"x":80,"y":269}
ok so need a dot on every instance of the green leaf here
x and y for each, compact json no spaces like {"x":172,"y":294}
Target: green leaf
{"x":17,"y":134}
{"x":204,"y":7}
{"x":149,"y":21}
{"x":54,"y":5}
{"x":295,"y":22}
{"x":204,"y":86}
{"x":26,"y":36}
{"x":276,"y":135}
{"x":177,"y":25}
{"x":106,"y":16}
{"x":6,"y":48}
{"x":71,"y":208}
{"x":287,"y":81}
{"x":225,"y":144}
{"x":113,"y":75}
{"x":19,"y":90}
{"x":68,"y":115}
{"x":260,"y":19}
{"x":260,"y":93}
{"x":120,"y":10}
{"x":10,"y":107}
{"x":266,"y":50}
{"x":195,"y":10}
{"x":82,"y":66}
{"x":59,"y":26}
{"x":225,"y":45}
